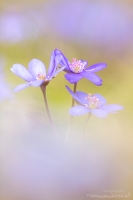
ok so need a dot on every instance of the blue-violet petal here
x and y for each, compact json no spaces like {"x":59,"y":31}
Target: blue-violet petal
{"x":73,"y":78}
{"x":79,"y":110}
{"x":96,"y":67}
{"x":92,"y":77}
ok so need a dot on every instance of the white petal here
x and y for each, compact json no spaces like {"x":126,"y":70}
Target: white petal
{"x":22,"y":72}
{"x":99,"y":113}
{"x":112,"y":108}
{"x":37,"y":83}
{"x":21,"y":87}
{"x":36,"y":67}
{"x":79,"y":110}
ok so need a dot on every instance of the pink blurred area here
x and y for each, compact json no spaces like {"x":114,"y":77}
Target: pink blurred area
{"x":102,"y":24}
{"x":38,"y":167}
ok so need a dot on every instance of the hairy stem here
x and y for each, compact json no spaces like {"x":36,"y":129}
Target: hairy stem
{"x":43,"y":88}
{"x":74,"y":90}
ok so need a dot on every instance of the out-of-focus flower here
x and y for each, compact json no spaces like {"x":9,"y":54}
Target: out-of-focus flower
{"x":106,"y":25}
{"x":96,"y":104}
{"x":18,"y":24}
{"x":4,"y":88}
{"x":36,"y":73}
{"x":14,"y":27}
{"x":78,"y":69}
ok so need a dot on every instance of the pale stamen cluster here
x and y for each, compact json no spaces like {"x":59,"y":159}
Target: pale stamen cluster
{"x":93,"y":102}
{"x":77,"y":66}
{"x":40,"y":77}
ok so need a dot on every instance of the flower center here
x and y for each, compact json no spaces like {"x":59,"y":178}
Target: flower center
{"x":77,"y":66}
{"x":93,"y":102}
{"x":40,"y":77}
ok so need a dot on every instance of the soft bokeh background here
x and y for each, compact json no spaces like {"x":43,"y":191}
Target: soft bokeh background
{"x":34,"y":164}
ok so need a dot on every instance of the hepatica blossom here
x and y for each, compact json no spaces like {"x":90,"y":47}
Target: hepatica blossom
{"x":36,"y":75}
{"x":96,"y":104}
{"x":78,"y":69}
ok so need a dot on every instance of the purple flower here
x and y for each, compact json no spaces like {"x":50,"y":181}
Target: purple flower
{"x":36,"y":73}
{"x":77,"y":69}
{"x":96,"y":104}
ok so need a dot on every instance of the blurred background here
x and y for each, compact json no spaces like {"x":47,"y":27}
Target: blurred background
{"x":35,"y":164}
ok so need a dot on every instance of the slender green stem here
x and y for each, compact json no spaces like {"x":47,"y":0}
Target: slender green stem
{"x":71,"y":117}
{"x":43,"y":88}
{"x":74,"y":90}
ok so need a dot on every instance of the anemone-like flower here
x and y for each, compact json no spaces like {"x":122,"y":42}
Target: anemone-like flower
{"x":96,"y":104}
{"x":78,"y":69}
{"x":36,"y":75}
